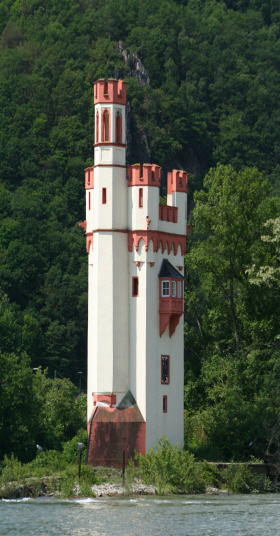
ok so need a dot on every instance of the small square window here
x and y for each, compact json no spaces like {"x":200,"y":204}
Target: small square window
{"x":164,"y":404}
{"x":179,"y":289}
{"x":135,"y":287}
{"x":104,"y":196}
{"x":173,"y":289}
{"x":165,"y":369}
{"x":165,"y":288}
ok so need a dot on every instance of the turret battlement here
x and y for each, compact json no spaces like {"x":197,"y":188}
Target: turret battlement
{"x":177,"y":181}
{"x":150,"y":177}
{"x":111,"y":92}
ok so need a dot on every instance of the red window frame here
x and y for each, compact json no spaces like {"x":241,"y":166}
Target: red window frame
{"x":89,"y":200}
{"x":164,"y":404}
{"x":104,"y":196}
{"x":168,"y":372}
{"x":135,"y":287}
{"x":140,"y":197}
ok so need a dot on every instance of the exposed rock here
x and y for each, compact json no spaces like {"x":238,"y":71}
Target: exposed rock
{"x":137,"y":69}
{"x":216,"y":491}
{"x":111,"y":490}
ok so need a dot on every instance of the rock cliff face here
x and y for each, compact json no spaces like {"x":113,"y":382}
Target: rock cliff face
{"x":137,"y":68}
{"x":137,"y":144}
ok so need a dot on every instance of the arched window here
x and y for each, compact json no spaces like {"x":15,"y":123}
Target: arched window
{"x":97,"y":128}
{"x":118,"y":128}
{"x":106,"y":126}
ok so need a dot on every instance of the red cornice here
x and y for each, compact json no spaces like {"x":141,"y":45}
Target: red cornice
{"x":158,"y":238}
{"x":109,"y":165}
{"x":109,"y":143}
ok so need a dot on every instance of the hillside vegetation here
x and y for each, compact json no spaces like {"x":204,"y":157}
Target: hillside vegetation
{"x":212,"y":99}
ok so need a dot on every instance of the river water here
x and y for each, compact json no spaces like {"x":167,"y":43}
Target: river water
{"x":188,"y":515}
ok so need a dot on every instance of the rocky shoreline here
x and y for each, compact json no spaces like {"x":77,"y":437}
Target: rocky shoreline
{"x":50,"y":487}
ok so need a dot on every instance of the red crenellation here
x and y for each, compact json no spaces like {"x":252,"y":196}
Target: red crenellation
{"x":113,"y":91}
{"x":150,"y":177}
{"x":177,"y":181}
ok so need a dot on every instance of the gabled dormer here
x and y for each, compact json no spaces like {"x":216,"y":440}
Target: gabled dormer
{"x":171,"y":297}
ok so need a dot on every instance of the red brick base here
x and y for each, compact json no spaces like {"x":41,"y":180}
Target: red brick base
{"x":113,"y":431}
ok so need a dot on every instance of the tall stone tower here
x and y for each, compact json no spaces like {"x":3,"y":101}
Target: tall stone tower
{"x":136,"y":253}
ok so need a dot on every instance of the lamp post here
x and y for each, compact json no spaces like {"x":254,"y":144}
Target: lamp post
{"x":80,"y":377}
{"x":80,"y":447}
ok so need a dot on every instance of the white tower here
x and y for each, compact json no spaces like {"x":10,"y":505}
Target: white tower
{"x":136,"y":253}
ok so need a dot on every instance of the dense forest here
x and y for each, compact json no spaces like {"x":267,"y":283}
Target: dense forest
{"x":205,"y":99}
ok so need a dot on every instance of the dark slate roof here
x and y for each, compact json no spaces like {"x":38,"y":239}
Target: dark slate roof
{"x":167,"y":270}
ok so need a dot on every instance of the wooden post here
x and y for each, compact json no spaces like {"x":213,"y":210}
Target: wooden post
{"x":80,"y":458}
{"x":123,"y":466}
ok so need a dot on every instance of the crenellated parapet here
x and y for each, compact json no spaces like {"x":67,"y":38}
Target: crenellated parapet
{"x":150,"y":176}
{"x":113,"y":91}
{"x":177,"y":181}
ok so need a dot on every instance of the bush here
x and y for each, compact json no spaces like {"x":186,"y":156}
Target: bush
{"x":170,"y":469}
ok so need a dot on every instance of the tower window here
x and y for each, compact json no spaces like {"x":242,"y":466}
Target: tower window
{"x":164,"y":404}
{"x":140,"y":197}
{"x":104,"y":196}
{"x":97,"y":128}
{"x":165,"y":288}
{"x":179,"y":289}
{"x":165,"y":376}
{"x":89,"y":200}
{"x":118,"y":127}
{"x":135,"y":287}
{"x":173,"y":289}
{"x":106,"y":126}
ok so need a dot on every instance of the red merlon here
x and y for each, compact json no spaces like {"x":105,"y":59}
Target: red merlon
{"x":89,"y":178}
{"x":113,"y":91}
{"x":168,"y":213}
{"x":151,"y":175}
{"x":159,"y":239}
{"x":177,"y":181}
{"x":83,"y":224}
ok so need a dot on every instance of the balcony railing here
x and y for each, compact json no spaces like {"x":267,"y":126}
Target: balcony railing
{"x":168,"y":213}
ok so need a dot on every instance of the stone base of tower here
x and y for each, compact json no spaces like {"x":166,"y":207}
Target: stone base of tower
{"x":113,"y":431}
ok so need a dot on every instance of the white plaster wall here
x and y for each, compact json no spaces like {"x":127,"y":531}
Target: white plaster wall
{"x":146,"y":348}
{"x":108,"y":358}
{"x":120,"y":313}
{"x":89,"y":213}
{"x":109,"y":155}
{"x":137,"y":215}
{"x":113,"y":214}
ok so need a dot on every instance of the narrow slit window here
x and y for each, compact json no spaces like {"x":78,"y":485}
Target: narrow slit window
{"x":135,"y":287}
{"x":165,"y":377}
{"x":179,"y":289}
{"x":173,"y":289}
{"x":118,"y":128}
{"x":165,"y":288}
{"x":164,"y":404}
{"x":89,"y":200}
{"x":104,"y":196}
{"x":97,"y":128}
{"x":140,"y":197}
